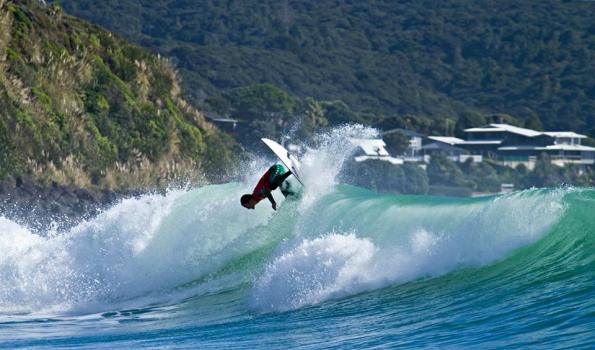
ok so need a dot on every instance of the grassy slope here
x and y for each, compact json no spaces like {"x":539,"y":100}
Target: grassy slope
{"x":83,"y":107}
{"x":422,"y":57}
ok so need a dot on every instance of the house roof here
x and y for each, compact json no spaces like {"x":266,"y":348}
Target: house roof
{"x":518,"y":148}
{"x":482,"y":142}
{"x":447,"y":139}
{"x":505,"y":127}
{"x":569,"y":134}
{"x":523,"y":131}
{"x":561,"y":147}
{"x":371,"y":147}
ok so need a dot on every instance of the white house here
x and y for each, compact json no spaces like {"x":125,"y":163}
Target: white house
{"x":512,"y":145}
{"x":373,"y":149}
{"x":450,"y":147}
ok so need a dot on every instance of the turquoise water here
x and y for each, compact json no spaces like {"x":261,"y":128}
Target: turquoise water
{"x":350,"y":269}
{"x":340,"y":267}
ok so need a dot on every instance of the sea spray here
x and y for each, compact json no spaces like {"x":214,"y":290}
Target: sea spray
{"x":322,"y":163}
{"x":333,"y":242}
{"x":78,"y":266}
{"x":365,"y":261}
{"x":143,"y":245}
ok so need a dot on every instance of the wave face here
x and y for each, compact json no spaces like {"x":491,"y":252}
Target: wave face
{"x":339,"y":266}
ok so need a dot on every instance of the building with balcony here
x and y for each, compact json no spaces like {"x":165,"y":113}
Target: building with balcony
{"x":450,"y":147}
{"x":512,"y":145}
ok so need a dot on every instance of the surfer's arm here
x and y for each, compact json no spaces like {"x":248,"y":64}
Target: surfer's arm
{"x":285,"y":176}
{"x":272,"y":200}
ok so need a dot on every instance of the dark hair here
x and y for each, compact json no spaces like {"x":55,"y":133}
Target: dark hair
{"x":245,"y":199}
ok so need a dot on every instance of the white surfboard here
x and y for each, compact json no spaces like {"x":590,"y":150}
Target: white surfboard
{"x":286,"y":158}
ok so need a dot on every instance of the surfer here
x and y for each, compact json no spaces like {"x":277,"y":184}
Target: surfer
{"x":270,"y":181}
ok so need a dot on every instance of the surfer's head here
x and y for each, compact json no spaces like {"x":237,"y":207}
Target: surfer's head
{"x":248,"y":201}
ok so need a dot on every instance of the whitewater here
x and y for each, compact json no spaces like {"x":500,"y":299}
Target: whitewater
{"x":338,"y":267}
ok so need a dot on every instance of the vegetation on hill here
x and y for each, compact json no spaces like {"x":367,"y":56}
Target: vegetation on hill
{"x":264,"y":110}
{"x":531,"y":59}
{"x":82,"y":107}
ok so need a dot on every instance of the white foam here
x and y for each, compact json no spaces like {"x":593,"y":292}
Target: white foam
{"x":153,"y":244}
{"x":336,"y":265}
{"x":322,"y":164}
{"x":140,"y":246}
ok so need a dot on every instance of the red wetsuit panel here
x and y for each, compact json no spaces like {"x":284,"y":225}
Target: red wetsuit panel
{"x":263,"y":187}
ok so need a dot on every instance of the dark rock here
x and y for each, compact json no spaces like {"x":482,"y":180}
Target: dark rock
{"x":27,"y":188}
{"x":84,"y":195}
{"x":42,"y":207}
{"x":4,"y":188}
{"x":67,"y":195}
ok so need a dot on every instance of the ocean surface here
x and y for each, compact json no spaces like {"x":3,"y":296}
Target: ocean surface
{"x":339,"y":267}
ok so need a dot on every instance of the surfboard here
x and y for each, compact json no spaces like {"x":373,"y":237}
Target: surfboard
{"x":288,"y":159}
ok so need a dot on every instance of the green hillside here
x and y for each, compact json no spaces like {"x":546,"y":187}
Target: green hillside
{"x":82,"y":107}
{"x":435,"y":59}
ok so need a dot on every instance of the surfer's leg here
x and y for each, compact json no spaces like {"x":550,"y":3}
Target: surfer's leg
{"x":277,"y":180}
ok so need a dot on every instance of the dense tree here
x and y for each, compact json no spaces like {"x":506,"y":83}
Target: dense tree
{"x":467,"y":120}
{"x":396,"y":143}
{"x":533,"y":122}
{"x":482,"y":176}
{"x":261,"y":101}
{"x":442,"y":171}
{"x":382,"y":176}
{"x":503,"y":118}
{"x":311,"y":118}
{"x":415,"y":179}
{"x":434,"y":59}
{"x":545,"y":174}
